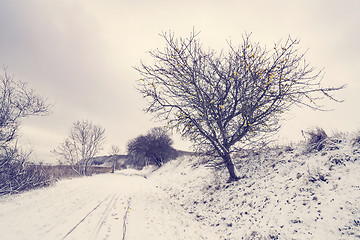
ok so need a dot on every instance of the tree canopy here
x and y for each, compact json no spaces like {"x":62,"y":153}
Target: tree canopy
{"x":152,"y":148}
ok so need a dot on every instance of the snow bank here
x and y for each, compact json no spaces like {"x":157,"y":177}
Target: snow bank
{"x":286,"y":194}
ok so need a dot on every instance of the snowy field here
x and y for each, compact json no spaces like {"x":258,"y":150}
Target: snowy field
{"x":284,"y":194}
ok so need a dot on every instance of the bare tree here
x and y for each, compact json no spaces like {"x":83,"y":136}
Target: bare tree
{"x":17,"y":101}
{"x":226,"y":101}
{"x":115,"y":150}
{"x":84,"y":142}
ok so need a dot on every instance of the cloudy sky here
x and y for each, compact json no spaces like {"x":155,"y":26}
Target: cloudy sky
{"x":80,"y":55}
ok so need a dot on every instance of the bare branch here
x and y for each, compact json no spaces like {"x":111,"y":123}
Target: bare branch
{"x":84,"y":142}
{"x":17,"y":101}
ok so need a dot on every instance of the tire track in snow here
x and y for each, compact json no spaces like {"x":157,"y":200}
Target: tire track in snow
{"x":104,"y":216}
{"x":72,"y":209}
{"x":125,"y":219}
{"x":82,"y":220}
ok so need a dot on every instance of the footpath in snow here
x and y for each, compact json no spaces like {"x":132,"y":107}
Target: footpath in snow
{"x":108,"y":206}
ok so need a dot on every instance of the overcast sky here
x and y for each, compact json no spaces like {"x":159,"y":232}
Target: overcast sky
{"x":80,"y":55}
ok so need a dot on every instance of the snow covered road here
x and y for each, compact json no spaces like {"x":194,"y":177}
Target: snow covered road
{"x":108,"y":206}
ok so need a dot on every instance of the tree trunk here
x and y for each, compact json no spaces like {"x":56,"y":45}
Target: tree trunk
{"x":113,"y":167}
{"x":85,"y":170}
{"x":234,"y":175}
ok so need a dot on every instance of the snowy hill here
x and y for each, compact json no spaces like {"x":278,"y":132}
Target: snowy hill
{"x":107,"y":161}
{"x":286,"y":193}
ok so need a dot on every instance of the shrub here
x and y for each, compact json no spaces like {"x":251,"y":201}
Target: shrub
{"x":16,"y":175}
{"x":316,"y":139}
{"x":151,"y":149}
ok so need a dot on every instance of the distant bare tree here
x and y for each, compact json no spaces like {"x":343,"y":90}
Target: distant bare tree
{"x":84,"y":142}
{"x":115,"y":150}
{"x":230,"y":100}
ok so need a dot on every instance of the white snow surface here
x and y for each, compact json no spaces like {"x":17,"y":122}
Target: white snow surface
{"x":284,"y":194}
{"x":98,"y":207}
